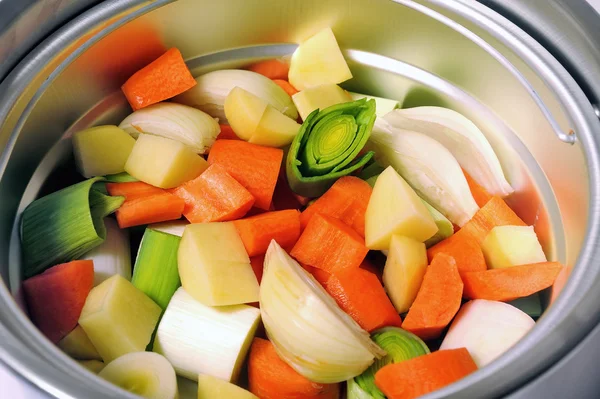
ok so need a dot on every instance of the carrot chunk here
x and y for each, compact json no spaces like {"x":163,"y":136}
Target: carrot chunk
{"x":346,"y":200}
{"x":286,"y":86}
{"x":437,"y":301}
{"x":227,"y":133}
{"x":424,"y":374}
{"x":214,"y":196}
{"x":494,"y":213}
{"x":256,"y":167}
{"x":132,"y":190}
{"x":56,"y":297}
{"x":257,"y":231}
{"x":163,"y":78}
{"x":150,"y":209}
{"x":320,"y":275}
{"x":270,"y":377}
{"x":329,"y":244}
{"x":360,"y":294}
{"x":480,"y":195}
{"x":510,"y":283}
{"x":464,"y":249}
{"x":257,"y":262}
{"x":272,"y":69}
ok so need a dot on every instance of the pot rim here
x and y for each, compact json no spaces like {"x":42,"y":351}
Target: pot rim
{"x":576,"y":306}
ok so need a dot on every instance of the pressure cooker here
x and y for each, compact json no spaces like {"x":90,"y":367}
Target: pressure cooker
{"x":526,"y":71}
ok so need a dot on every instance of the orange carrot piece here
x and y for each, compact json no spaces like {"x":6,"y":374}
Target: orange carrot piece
{"x":494,"y":213}
{"x":272,"y":69}
{"x":56,"y":297}
{"x":257,"y":231}
{"x":360,"y":294}
{"x":421,"y":375}
{"x":257,"y":262}
{"x":256,"y":167}
{"x":465,"y":250}
{"x":437,"y":301}
{"x":163,"y":78}
{"x":151,"y":209}
{"x":368,"y":266}
{"x":320,"y":275}
{"x":329,"y":244}
{"x":479,"y":193}
{"x":227,"y":133}
{"x":269,"y":377}
{"x":510,"y":283}
{"x":132,"y":190}
{"x":214,"y":196}
{"x":346,"y":200}
{"x":286,"y":86}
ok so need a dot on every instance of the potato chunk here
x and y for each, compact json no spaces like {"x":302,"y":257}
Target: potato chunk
{"x":102,"y":150}
{"x":507,"y":246}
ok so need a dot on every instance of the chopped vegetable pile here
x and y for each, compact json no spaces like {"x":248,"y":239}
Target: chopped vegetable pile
{"x":265,"y":198}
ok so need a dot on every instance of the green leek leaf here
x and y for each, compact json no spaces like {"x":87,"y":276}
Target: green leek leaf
{"x":64,"y":225}
{"x":354,"y":391}
{"x":372,"y":169}
{"x":122,"y":177}
{"x":400,"y":345}
{"x":327,"y":146}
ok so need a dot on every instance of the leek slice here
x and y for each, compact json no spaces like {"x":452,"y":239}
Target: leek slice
{"x":309,"y":331}
{"x":64,"y":225}
{"x":212,"y":88}
{"x":462,"y":138}
{"x":123,"y":177}
{"x":428,"y":167}
{"x":354,"y":391}
{"x":155,"y":272}
{"x":400,"y":345}
{"x":327,"y":146}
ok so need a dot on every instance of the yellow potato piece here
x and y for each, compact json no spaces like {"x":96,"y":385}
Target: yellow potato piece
{"x":163,"y":162}
{"x":244,"y":111}
{"x":395,"y":208}
{"x":274,"y":129}
{"x":318,"y":61}
{"x":77,"y":345}
{"x":102,"y":150}
{"x":210,"y":387}
{"x":214,"y":267}
{"x":118,"y":318}
{"x":404,"y":270}
{"x":319,"y":97}
{"x":507,"y":246}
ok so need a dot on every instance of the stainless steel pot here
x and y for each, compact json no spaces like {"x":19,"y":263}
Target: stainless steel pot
{"x":458,"y":53}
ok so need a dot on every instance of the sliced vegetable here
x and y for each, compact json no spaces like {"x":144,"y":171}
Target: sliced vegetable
{"x":354,"y":391}
{"x":424,"y":374}
{"x":319,"y":97}
{"x":198,"y":339}
{"x":163,"y":162}
{"x":163,"y":78}
{"x":178,"y":122}
{"x":227,"y":133}
{"x":404,"y":270}
{"x":445,"y":227}
{"x":359,"y":293}
{"x":77,"y":345}
{"x":255,"y":167}
{"x":437,"y":301}
{"x":55,"y":298}
{"x":155,"y":272}
{"x":212,"y":88}
{"x":327,"y":146}
{"x":257,"y":231}
{"x":272,"y":69}
{"x":286,"y":86}
{"x":132,"y":190}
{"x":462,"y":138}
{"x":428,"y":167}
{"x":257,"y":263}
{"x":146,"y":374}
{"x":214,"y":196}
{"x":480,"y":196}
{"x":64,"y":225}
{"x":175,"y":227}
{"x":507,"y":246}
{"x":347,"y":200}
{"x":487,"y":329}
{"x":510,"y":283}
{"x":382,"y":105}
{"x":400,"y":346}
{"x":122,"y":177}
{"x":372,"y":169}
{"x":214,"y":267}
{"x":494,"y":213}
{"x":118,"y":318}
{"x":151,"y":209}
{"x":320,"y":275}
{"x":464,"y":249}
{"x":94,"y":366}
{"x":394,"y":208}
{"x":318,"y":60}
{"x":271,"y":378}
{"x":309,"y":331}
{"x":274,"y":129}
{"x":113,"y":256}
{"x":329,"y":244}
{"x":101,"y":150}
{"x":210,"y":387}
